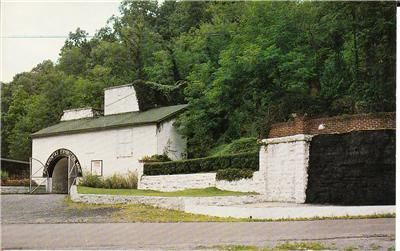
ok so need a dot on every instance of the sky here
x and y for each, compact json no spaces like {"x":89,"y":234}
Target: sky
{"x":23,"y":21}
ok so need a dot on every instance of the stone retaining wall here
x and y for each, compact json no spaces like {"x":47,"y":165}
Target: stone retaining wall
{"x":177,"y":182}
{"x":177,"y":203}
{"x":357,"y":168}
{"x":255,"y":184}
{"x":13,"y":189}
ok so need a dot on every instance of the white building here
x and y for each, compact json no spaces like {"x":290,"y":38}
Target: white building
{"x":104,"y":144}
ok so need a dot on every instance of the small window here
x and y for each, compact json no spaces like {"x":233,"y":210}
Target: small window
{"x":96,"y":167}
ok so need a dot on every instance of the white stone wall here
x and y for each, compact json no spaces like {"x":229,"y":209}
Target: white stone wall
{"x":77,"y":114}
{"x":284,"y":163}
{"x":120,"y":99}
{"x":118,"y":156}
{"x":168,"y":183}
{"x":255,"y":184}
{"x":14,"y":189}
{"x":170,"y":141}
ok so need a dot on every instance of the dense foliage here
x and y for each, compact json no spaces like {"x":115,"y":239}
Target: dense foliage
{"x":232,"y":174}
{"x":204,"y":165}
{"x":241,"y":145}
{"x":243,"y":66}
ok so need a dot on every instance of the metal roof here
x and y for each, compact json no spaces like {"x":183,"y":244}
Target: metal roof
{"x":151,"y":116}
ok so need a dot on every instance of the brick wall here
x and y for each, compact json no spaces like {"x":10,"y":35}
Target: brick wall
{"x":338,"y":124}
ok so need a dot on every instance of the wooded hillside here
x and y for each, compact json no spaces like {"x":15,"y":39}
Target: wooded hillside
{"x":242,"y":66}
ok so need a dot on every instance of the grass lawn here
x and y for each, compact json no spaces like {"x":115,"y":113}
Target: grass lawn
{"x":206,"y":192}
{"x":282,"y":246}
{"x":145,"y":213}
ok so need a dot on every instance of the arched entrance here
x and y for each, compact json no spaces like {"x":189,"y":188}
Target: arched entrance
{"x":61,"y":169}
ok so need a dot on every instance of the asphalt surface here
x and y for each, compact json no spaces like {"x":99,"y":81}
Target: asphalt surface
{"x":20,"y":211}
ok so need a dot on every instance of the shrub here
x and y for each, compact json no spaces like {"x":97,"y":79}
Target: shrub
{"x":203,"y":165}
{"x":131,"y":180}
{"x":231,"y":174}
{"x":156,"y":158}
{"x":90,"y":180}
{"x":115,"y":181}
{"x":118,"y":181}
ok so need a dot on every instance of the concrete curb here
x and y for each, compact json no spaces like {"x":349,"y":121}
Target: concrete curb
{"x":286,"y":212}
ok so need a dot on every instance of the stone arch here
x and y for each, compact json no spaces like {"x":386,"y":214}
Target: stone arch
{"x":60,"y":177}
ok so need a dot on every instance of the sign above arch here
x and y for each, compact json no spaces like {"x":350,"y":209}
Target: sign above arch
{"x":56,"y":156}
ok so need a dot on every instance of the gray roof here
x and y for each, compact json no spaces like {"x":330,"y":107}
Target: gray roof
{"x":151,"y":116}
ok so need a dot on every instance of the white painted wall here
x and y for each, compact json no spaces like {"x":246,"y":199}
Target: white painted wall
{"x":120,"y":99}
{"x":108,"y":145}
{"x":170,"y":141}
{"x":284,"y":163}
{"x":255,"y":184}
{"x":77,"y":114}
{"x":168,"y":183}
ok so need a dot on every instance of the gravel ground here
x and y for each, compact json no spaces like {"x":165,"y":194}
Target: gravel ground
{"x":48,"y":208}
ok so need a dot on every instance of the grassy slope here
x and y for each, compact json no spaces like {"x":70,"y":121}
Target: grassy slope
{"x":206,"y":192}
{"x":241,"y":145}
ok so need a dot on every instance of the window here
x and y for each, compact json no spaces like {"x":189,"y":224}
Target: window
{"x":96,"y":167}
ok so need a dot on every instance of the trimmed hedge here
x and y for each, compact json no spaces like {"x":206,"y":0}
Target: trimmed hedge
{"x":231,"y":174}
{"x":204,"y":165}
{"x":156,"y":158}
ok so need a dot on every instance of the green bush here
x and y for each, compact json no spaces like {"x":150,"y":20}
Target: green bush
{"x":116,"y":181}
{"x":156,"y":158}
{"x":241,"y":145}
{"x":204,"y":165}
{"x":231,"y":174}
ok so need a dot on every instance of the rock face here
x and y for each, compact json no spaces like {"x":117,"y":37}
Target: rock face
{"x":357,"y":168}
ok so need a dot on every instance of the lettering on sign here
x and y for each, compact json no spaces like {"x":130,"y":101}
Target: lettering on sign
{"x":58,"y":154}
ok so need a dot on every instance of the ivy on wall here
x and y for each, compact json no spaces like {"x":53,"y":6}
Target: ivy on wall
{"x":151,"y":95}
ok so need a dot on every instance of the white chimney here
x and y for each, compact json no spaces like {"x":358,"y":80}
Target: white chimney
{"x":120,"y":99}
{"x":79,"y":113}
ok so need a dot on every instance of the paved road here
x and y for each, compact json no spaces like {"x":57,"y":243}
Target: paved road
{"x":367,"y":233}
{"x":18,"y":210}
